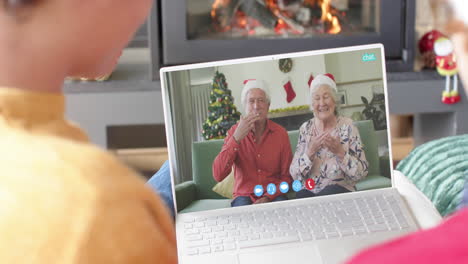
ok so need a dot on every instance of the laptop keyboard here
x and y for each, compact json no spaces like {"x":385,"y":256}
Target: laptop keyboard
{"x":286,"y":224}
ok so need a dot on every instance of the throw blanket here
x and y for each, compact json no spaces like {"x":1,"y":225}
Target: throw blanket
{"x":439,"y":169}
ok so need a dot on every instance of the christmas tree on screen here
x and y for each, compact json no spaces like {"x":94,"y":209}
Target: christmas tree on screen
{"x":222,"y":113}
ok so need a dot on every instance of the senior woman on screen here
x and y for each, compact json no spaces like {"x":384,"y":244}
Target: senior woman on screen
{"x":329,"y":149}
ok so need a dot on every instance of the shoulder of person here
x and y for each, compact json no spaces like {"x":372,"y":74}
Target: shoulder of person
{"x":73,"y":165}
{"x":88,"y":201}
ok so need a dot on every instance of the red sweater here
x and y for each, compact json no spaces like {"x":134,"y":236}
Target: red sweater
{"x":255,"y":164}
{"x":446,"y":243}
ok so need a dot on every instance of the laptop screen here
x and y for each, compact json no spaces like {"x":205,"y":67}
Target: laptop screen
{"x":277,"y":128}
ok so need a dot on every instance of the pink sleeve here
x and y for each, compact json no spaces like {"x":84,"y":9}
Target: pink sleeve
{"x":446,"y":243}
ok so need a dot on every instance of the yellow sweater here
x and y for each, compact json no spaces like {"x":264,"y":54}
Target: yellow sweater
{"x":63,"y":200}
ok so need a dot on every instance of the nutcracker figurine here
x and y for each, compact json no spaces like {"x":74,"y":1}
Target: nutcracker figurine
{"x":447,"y":66}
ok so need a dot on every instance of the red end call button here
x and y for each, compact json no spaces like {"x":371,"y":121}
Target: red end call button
{"x":310,"y":184}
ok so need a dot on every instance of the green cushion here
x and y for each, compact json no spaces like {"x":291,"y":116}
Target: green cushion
{"x":203,"y":155}
{"x":186,"y":193}
{"x":370,"y":145}
{"x":207,"y":204}
{"x":293,"y":139}
{"x":438,"y":168}
{"x":373,"y":182}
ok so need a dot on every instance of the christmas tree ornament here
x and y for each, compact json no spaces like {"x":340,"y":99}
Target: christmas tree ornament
{"x":447,"y":66}
{"x":290,"y":93}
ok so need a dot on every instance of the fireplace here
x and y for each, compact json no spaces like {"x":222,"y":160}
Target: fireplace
{"x":207,"y":30}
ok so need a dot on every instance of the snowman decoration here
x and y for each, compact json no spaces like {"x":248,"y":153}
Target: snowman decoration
{"x":447,"y":66}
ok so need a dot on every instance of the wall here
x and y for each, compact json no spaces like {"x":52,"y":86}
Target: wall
{"x":350,"y":67}
{"x":95,"y":111}
{"x":356,"y":77}
{"x":269,"y":71}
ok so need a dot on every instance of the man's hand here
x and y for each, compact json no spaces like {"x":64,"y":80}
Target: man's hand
{"x":334,"y":145}
{"x":246,"y":125}
{"x":315,"y":143}
{"x":264,"y":199}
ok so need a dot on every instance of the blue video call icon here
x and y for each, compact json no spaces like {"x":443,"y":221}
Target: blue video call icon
{"x":297,"y":185}
{"x":271,"y":189}
{"x":284,"y":187}
{"x":258,"y":190}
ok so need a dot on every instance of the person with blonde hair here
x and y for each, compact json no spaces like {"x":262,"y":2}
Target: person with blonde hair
{"x":63,"y":200}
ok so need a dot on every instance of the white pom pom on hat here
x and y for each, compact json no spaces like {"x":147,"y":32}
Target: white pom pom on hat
{"x":322,"y":79}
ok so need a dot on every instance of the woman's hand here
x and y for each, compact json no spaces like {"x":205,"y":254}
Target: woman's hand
{"x":334,"y":145}
{"x":246,"y":125}
{"x":315,"y":143}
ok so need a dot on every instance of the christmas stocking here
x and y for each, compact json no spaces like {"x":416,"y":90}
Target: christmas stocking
{"x":290,"y":94}
{"x":311,"y":78}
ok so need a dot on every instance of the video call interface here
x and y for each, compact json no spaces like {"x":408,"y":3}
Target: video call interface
{"x":330,"y":107}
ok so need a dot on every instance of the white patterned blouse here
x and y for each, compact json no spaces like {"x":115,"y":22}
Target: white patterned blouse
{"x":326,"y":168}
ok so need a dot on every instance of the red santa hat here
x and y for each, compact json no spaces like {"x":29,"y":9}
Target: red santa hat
{"x":250,"y":84}
{"x":322,"y":79}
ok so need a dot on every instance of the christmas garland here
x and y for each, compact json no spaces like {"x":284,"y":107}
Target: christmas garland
{"x":289,"y":109}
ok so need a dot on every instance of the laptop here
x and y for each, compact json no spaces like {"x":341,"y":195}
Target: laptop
{"x":322,"y":229}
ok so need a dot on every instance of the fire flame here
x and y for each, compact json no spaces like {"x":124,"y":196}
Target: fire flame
{"x":217,"y":4}
{"x":242,"y":21}
{"x":328,"y":17}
